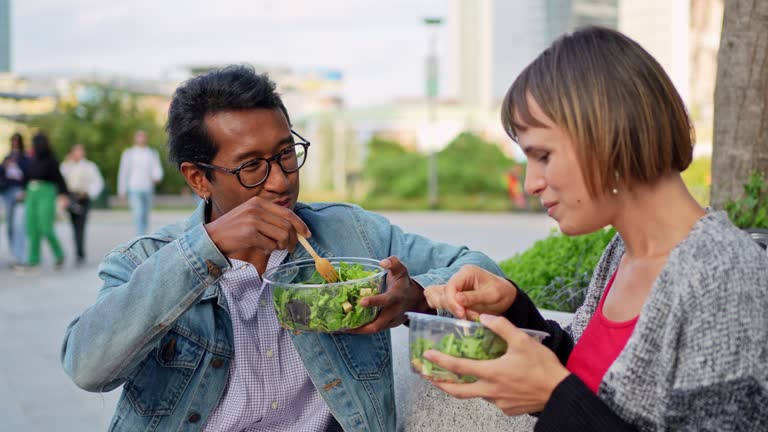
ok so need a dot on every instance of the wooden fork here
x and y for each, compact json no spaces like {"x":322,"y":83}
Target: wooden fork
{"x":323,"y":266}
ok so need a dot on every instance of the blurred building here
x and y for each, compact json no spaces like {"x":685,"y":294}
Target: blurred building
{"x":304,"y":90}
{"x":491,"y":41}
{"x":706,"y":25}
{"x":662,"y":27}
{"x":149,"y":94}
{"x":20,"y":100}
{"x":339,"y":138}
{"x":5,"y":36}
{"x":603,"y":13}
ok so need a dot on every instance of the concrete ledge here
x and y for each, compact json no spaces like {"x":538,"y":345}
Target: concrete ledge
{"x":422,"y":407}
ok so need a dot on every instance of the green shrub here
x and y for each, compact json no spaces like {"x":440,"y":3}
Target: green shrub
{"x":469,"y":169}
{"x":555,"y":272}
{"x":751,"y":211}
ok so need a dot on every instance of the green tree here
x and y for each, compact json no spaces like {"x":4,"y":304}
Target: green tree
{"x":470,"y":165}
{"x":104,"y":121}
{"x":393,"y":171}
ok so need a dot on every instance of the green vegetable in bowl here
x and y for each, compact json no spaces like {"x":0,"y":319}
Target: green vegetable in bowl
{"x":327,"y":309}
{"x":480,"y":344}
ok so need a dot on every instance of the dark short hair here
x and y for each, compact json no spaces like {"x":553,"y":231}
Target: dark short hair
{"x":18,"y":139}
{"x":42,"y":147}
{"x":614,"y":100}
{"x":235,"y":87}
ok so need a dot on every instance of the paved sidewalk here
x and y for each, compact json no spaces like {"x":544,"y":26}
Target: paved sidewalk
{"x":36,"y":395}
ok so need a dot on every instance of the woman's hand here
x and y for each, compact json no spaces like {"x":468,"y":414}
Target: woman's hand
{"x":472,"y":291}
{"x":521,"y":381}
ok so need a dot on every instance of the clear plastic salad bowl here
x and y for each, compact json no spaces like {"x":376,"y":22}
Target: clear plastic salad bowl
{"x":455,"y":337}
{"x":304,"y":302}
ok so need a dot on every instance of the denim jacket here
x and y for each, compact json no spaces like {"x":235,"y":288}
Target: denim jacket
{"x":161,"y":329}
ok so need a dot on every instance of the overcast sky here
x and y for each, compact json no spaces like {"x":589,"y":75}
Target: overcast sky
{"x":379,"y":44}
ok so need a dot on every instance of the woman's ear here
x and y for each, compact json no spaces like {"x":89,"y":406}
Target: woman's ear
{"x":196,"y":179}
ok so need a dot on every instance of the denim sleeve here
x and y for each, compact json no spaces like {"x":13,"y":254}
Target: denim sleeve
{"x":428,"y":262}
{"x":143,"y":293}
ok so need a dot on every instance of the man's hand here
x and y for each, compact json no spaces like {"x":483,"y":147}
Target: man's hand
{"x":472,"y":291}
{"x":256,"y":223}
{"x":403,"y":295}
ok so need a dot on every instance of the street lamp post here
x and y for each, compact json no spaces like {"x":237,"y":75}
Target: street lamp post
{"x":432,"y":85}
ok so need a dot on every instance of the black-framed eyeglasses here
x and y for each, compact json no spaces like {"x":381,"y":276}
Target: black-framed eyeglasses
{"x":255,"y":172}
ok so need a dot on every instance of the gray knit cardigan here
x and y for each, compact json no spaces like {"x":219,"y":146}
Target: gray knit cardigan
{"x":698,"y":357}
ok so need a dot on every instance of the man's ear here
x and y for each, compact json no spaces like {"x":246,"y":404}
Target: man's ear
{"x":196,"y":179}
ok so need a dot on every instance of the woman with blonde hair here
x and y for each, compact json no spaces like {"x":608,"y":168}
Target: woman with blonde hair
{"x":673,"y":333}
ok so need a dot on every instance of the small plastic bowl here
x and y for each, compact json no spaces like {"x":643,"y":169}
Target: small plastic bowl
{"x":323,"y":308}
{"x":455,"y":337}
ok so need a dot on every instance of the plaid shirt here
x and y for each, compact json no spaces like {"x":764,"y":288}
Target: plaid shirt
{"x":268,"y":387}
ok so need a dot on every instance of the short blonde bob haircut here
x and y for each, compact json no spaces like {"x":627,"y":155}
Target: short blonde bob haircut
{"x":614,"y":100}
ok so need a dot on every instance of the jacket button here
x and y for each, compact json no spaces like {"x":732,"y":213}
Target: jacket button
{"x":217,"y":363}
{"x":194,"y":417}
{"x":213,"y":269}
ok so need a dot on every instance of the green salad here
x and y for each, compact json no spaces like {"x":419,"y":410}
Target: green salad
{"x":327,"y":309}
{"x":479,"y":344}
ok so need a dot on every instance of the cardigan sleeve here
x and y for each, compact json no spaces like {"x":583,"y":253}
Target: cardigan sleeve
{"x":523,"y":314}
{"x":574,"y":407}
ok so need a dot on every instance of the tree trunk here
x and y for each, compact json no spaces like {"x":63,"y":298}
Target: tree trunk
{"x":740,"y":142}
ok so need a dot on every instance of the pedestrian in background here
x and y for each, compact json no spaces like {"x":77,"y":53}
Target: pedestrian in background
{"x":85,"y":183}
{"x":45,"y":183}
{"x":139,"y":172}
{"x":13,"y":179}
{"x":514,"y":186}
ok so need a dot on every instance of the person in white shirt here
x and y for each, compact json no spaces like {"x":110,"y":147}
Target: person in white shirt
{"x":85,"y":183}
{"x":140,"y":171}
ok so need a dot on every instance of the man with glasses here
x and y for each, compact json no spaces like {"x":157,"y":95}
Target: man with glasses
{"x":183,"y":321}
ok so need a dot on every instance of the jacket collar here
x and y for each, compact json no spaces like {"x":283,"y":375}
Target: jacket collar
{"x":196,"y":218}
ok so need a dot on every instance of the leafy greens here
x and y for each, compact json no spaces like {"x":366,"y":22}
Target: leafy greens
{"x":480,"y":344}
{"x":327,"y":309}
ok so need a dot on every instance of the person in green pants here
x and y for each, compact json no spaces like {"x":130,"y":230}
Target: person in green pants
{"x":45,"y":183}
